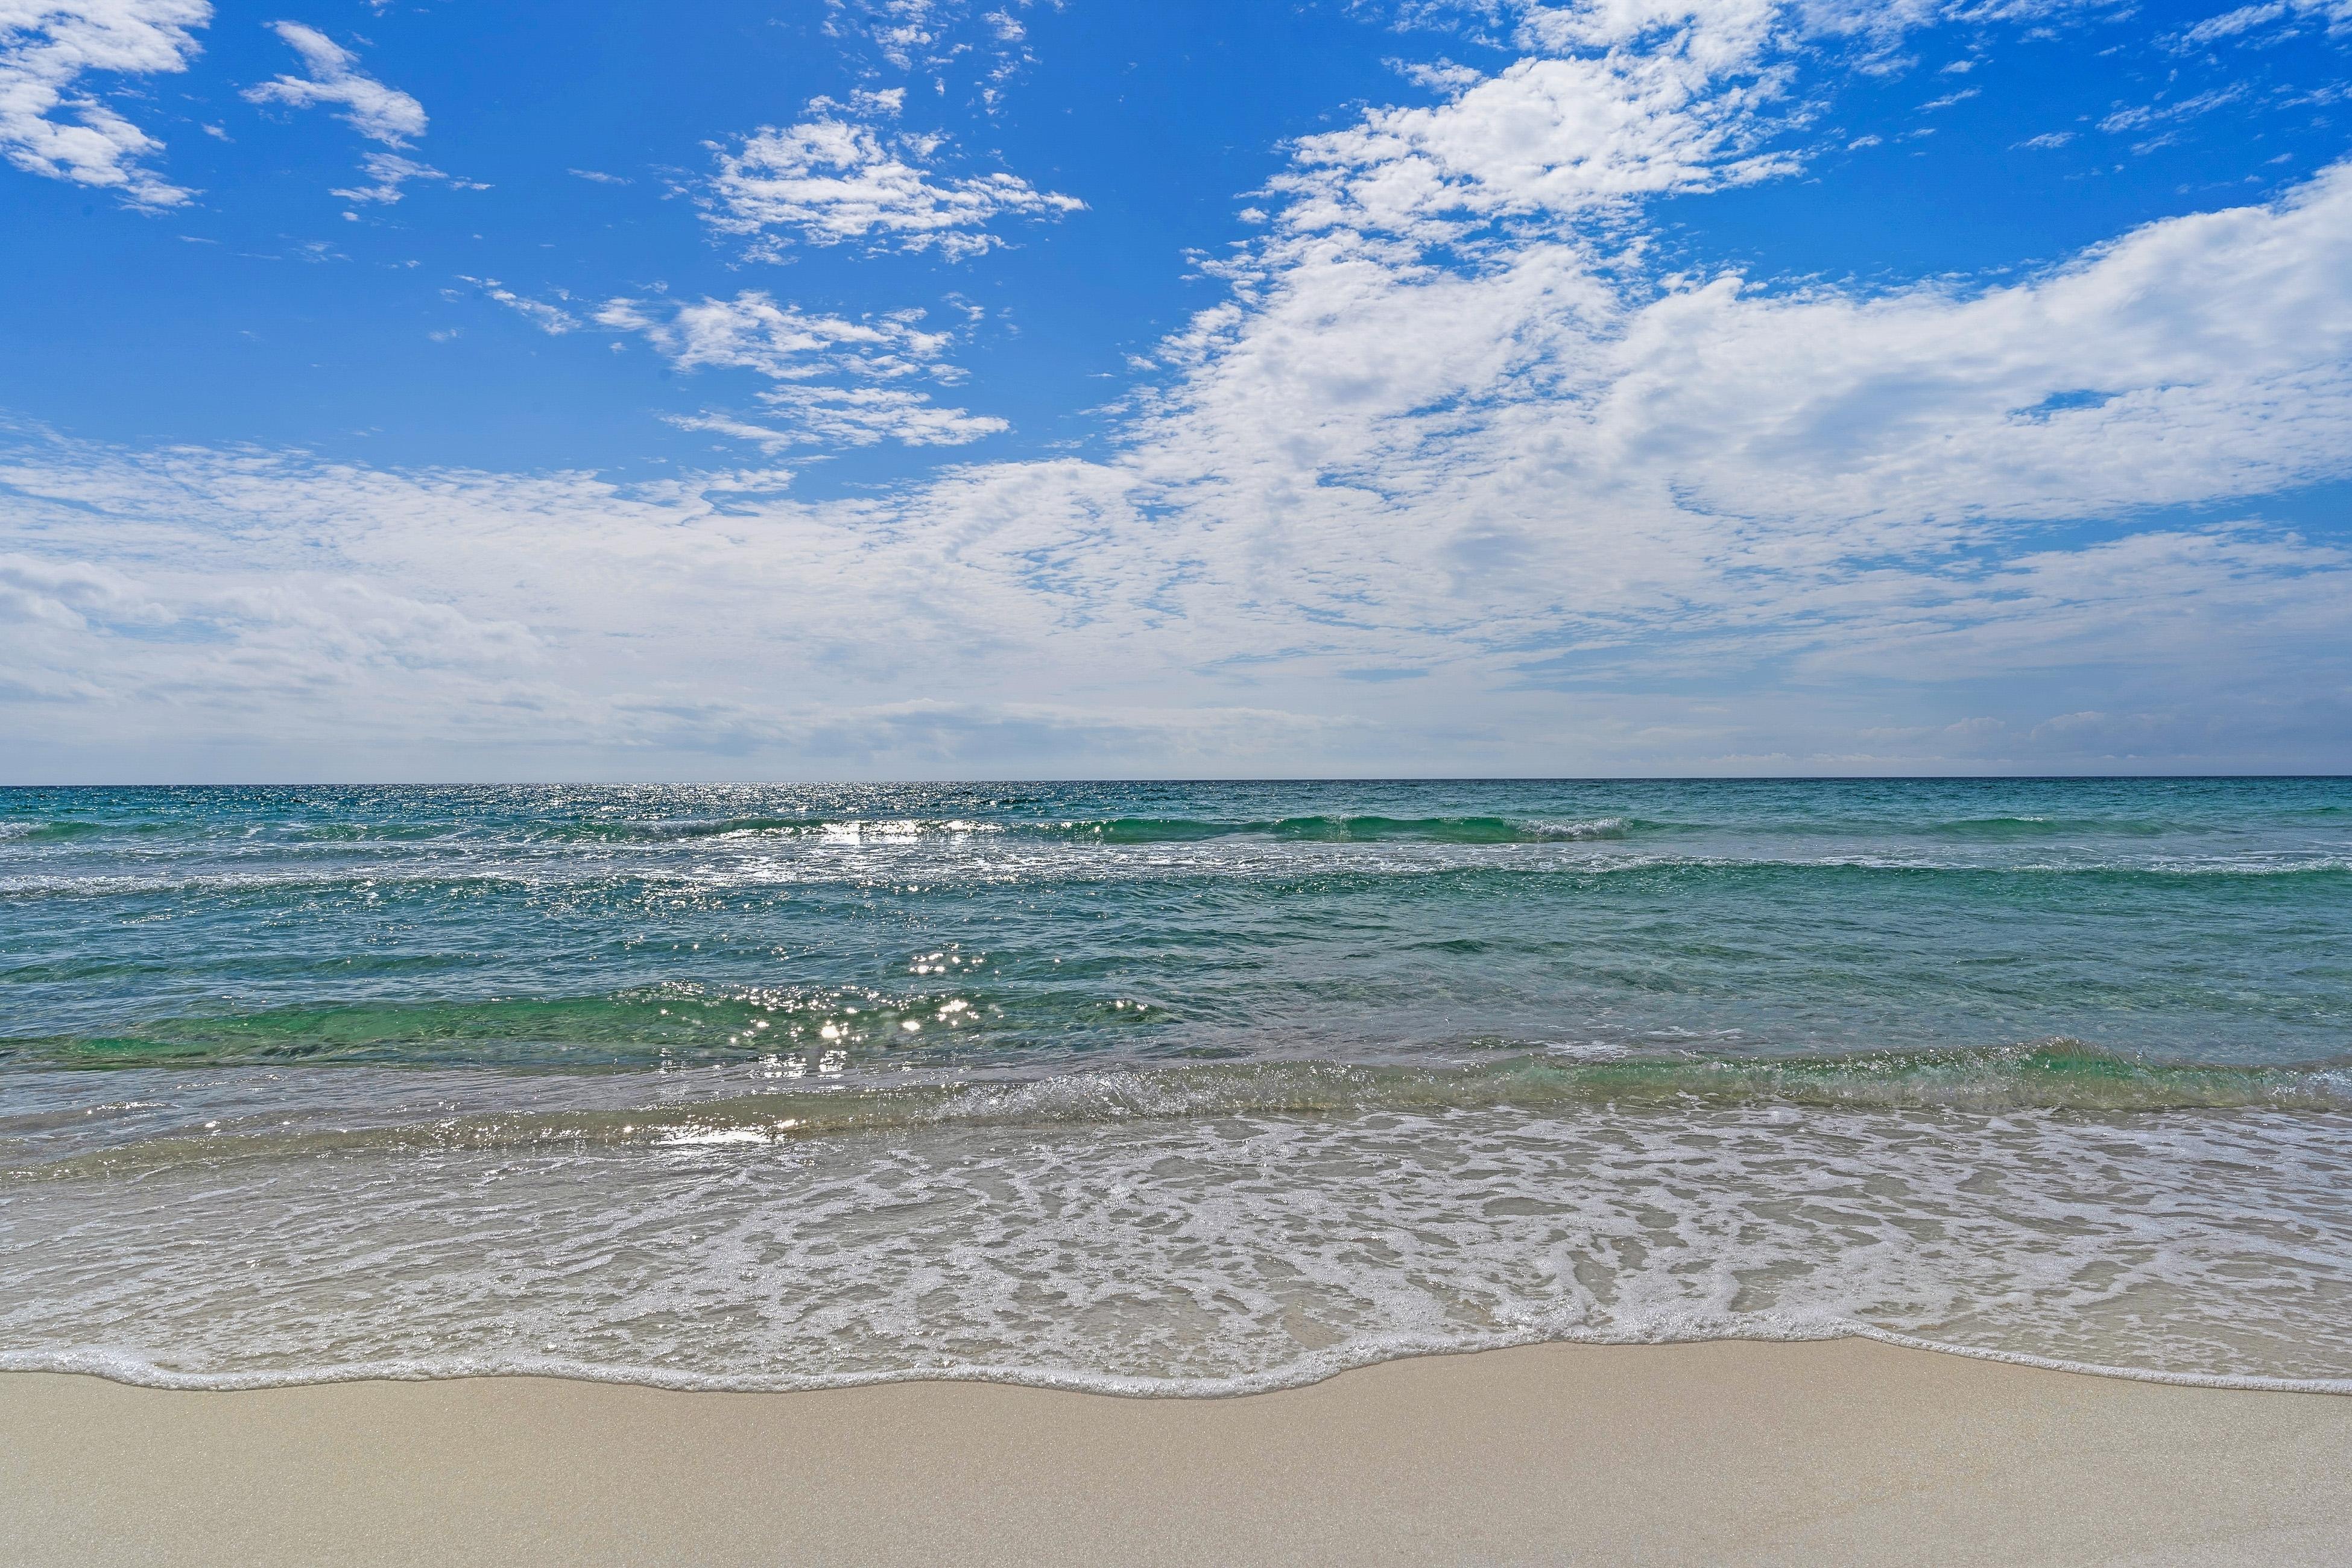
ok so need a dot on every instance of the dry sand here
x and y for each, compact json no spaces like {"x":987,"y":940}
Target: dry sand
{"x":1812,"y":1454}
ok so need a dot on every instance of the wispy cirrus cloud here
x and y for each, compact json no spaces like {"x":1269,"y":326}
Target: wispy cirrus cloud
{"x":381,"y":113}
{"x":53,"y":122}
{"x":550,"y":318}
{"x":2141,"y":116}
{"x":332,"y":77}
{"x":389,"y":173}
{"x":2249,"y":23}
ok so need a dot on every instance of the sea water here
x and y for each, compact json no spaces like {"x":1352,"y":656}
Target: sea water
{"x":1171,"y":1088}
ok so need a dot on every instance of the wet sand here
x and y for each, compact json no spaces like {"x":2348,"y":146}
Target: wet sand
{"x":1808,"y":1454}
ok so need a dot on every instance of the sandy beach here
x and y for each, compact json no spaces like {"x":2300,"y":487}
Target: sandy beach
{"x":1722,"y":1453}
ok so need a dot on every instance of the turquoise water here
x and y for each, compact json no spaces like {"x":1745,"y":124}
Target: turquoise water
{"x":1168,"y":1086}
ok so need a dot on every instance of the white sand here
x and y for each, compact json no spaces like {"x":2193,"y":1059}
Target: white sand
{"x":1812,"y":1455}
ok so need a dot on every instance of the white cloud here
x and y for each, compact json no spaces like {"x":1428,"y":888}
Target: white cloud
{"x":832,"y":181}
{"x":2123,"y":601}
{"x":800,"y":349}
{"x":837,"y":381}
{"x":378,"y":113}
{"x":901,"y":29}
{"x":48,"y":49}
{"x":2217,"y":349}
{"x":2248,"y":19}
{"x":1721,"y":35}
{"x":390,"y":171}
{"x":2139,"y":117}
{"x":887,"y":103}
{"x":232,"y":643}
{"x":554,"y":320}
{"x":938,"y":39}
{"x":861,"y":415}
{"x":2230,"y":24}
{"x":752,"y":332}
{"x":72,"y":594}
{"x":1554,"y":136}
{"x":503,"y":610}
{"x":1535,"y":455}
{"x":1438,"y":76}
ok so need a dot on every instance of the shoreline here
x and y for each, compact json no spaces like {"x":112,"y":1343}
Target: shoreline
{"x":1850,"y":1450}
{"x":111,"y":1367}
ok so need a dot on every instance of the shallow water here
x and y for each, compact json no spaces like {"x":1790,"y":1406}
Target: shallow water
{"x":1171,"y":1088}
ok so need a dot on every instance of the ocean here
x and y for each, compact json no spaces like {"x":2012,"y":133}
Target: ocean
{"x":1175,"y":1089}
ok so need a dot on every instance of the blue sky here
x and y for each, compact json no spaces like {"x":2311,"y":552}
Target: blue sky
{"x":917,"y":388}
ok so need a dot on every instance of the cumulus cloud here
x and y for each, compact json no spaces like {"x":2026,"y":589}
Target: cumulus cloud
{"x":1537,"y":457}
{"x":1543,"y":137}
{"x":52,"y":122}
{"x":830,"y":180}
{"x":378,"y":113}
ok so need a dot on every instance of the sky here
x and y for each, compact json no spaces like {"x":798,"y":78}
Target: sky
{"x":957,"y":388}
